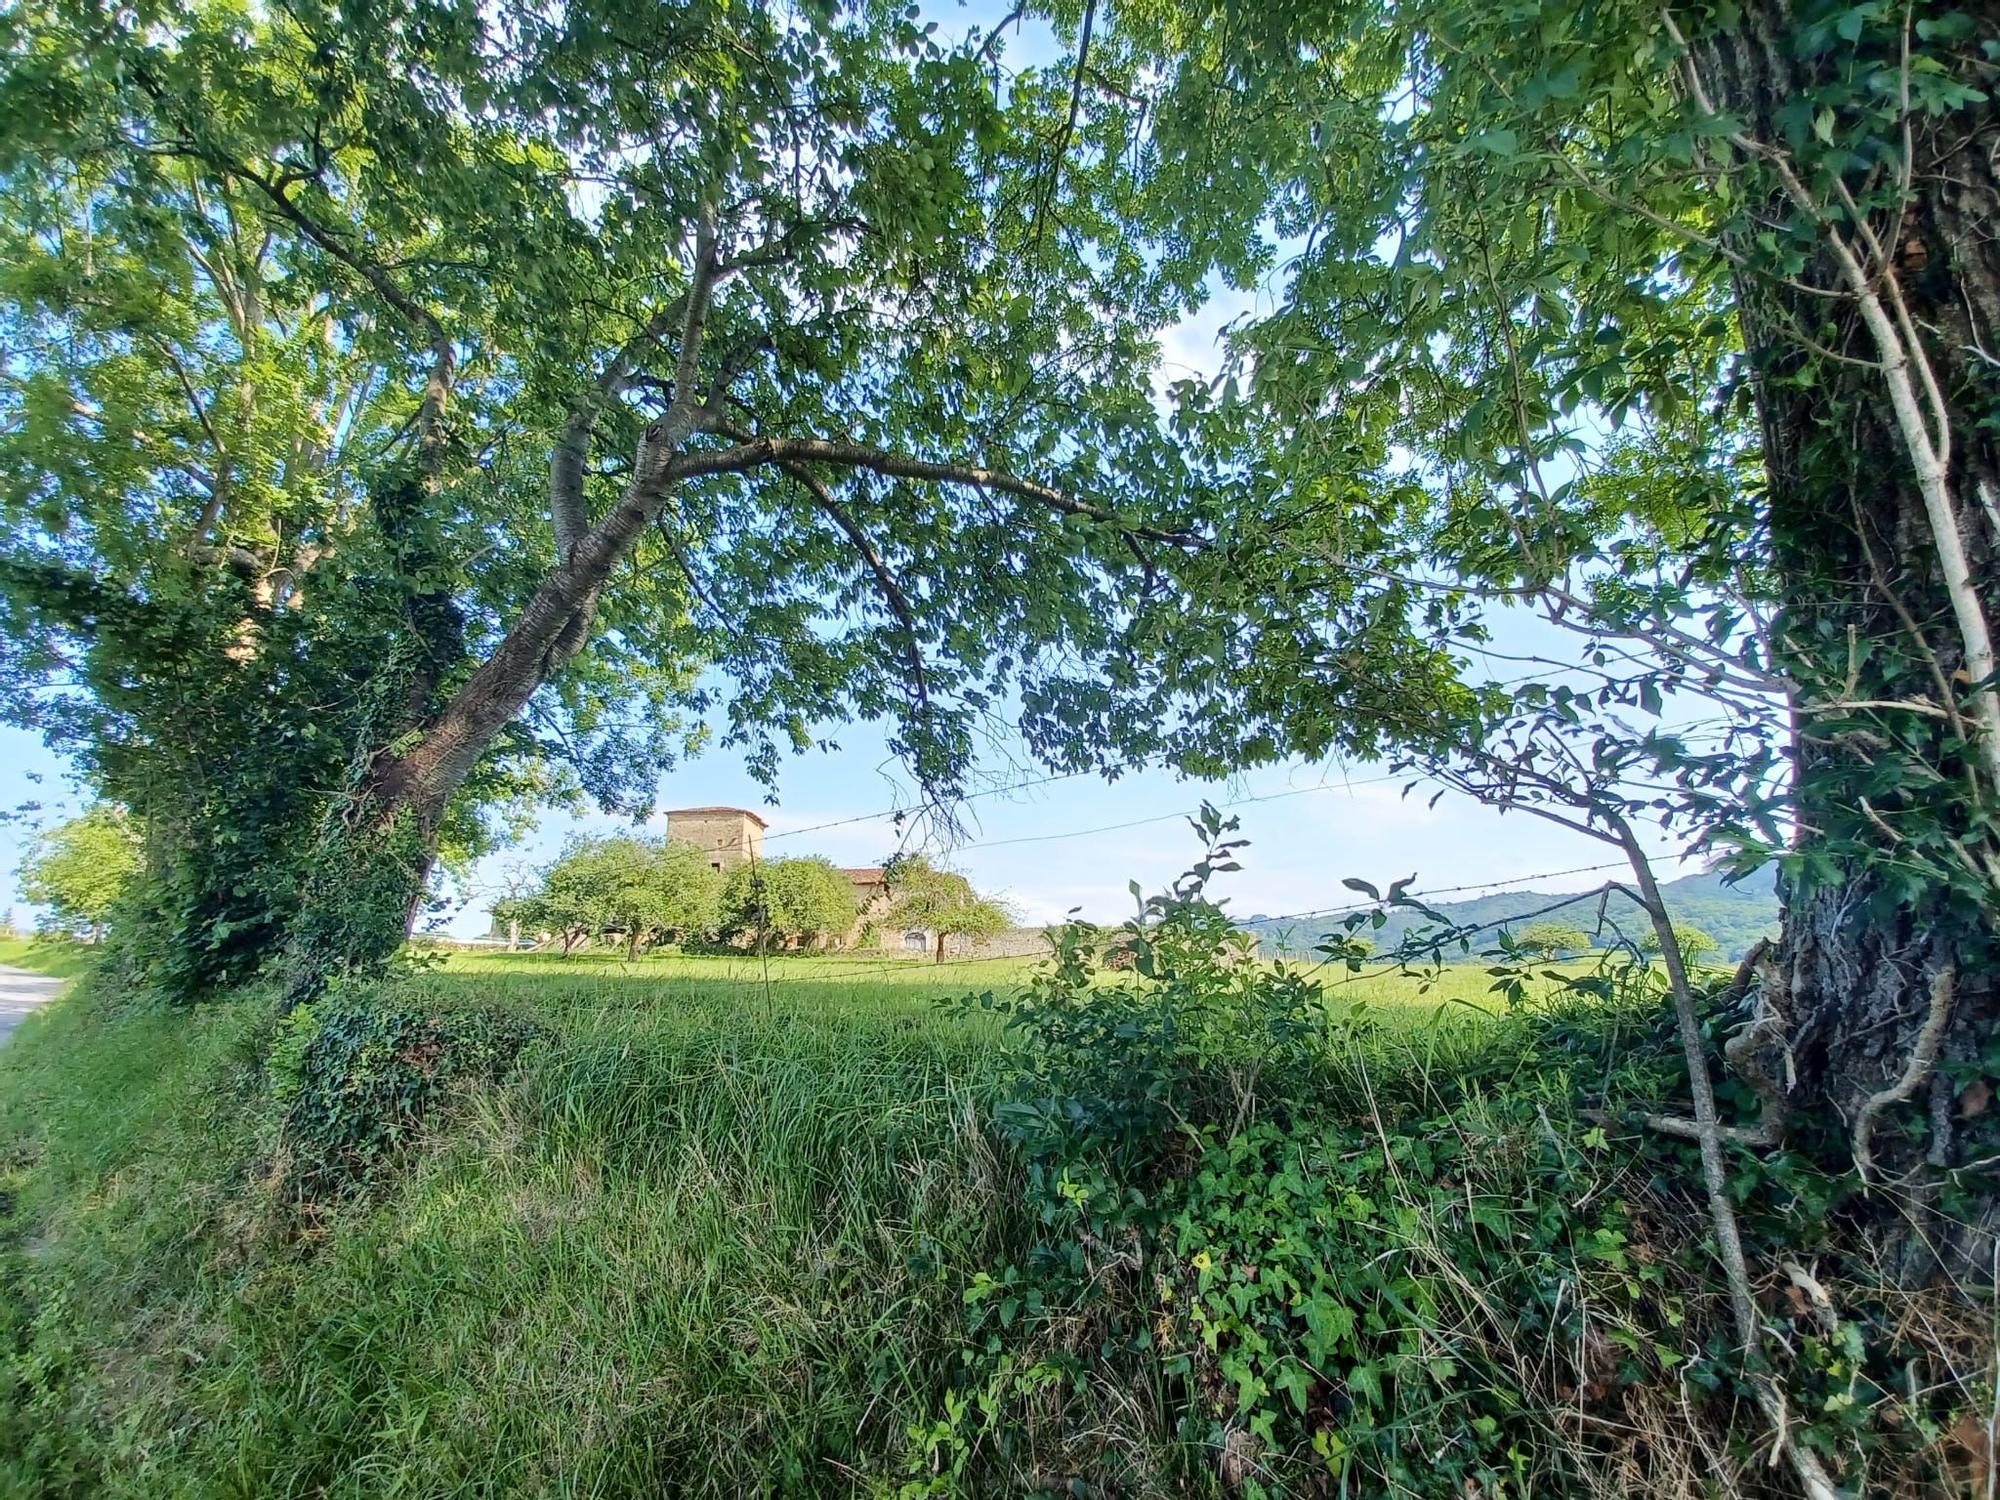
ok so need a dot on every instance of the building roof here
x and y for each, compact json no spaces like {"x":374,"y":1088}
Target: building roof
{"x":868,"y":875}
{"x":741,"y":812}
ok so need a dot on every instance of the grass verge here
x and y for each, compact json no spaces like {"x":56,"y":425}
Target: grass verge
{"x":699,"y":1241}
{"x":55,"y":956}
{"x":712,"y":1236}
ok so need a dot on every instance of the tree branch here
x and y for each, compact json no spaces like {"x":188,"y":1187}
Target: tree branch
{"x":1068,"y":131}
{"x":569,"y":516}
{"x":892,"y":591}
{"x":758,"y":452}
{"x":444,"y":358}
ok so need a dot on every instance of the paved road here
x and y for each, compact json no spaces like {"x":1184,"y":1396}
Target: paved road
{"x":21,"y":992}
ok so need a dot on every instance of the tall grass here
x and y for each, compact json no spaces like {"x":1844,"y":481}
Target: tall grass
{"x":711,"y":1237}
{"x":698,"y":1243}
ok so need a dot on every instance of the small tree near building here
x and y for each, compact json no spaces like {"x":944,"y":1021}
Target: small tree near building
{"x":797,"y":901}
{"x":943,"y":901}
{"x":573,"y":902}
{"x":641,"y":888}
{"x":678,"y":894}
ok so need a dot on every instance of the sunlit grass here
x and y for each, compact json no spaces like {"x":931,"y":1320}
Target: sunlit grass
{"x":43,"y":955}
{"x":791,"y":985}
{"x":710,"y":1237}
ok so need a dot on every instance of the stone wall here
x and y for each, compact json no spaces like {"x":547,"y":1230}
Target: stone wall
{"x":1015,"y":942}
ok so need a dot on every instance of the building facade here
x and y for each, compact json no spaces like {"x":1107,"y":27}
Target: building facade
{"x":731,"y":836}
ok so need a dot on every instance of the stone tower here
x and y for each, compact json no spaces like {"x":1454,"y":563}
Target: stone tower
{"x":731,"y":835}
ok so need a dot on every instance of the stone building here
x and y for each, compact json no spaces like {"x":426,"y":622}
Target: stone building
{"x":731,"y":835}
{"x":734,"y":836}
{"x":871,"y":899}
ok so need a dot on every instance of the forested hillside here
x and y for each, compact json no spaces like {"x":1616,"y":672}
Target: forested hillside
{"x":1736,"y":913}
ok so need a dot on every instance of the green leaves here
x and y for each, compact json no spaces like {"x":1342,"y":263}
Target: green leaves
{"x":80,"y":870}
{"x":642,"y":889}
{"x":355,"y":1080}
{"x":266,"y":271}
{"x":942,"y":900}
{"x":788,"y":901}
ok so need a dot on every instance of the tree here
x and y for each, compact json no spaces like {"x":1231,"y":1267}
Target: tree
{"x":518,"y":882}
{"x":517,"y":912}
{"x":1553,"y":940}
{"x":640,"y":888}
{"x":80,"y":870}
{"x":1668,"y":330}
{"x":942,"y":900}
{"x":572,"y":902}
{"x":682,"y":895}
{"x":1692,"y":942}
{"x":615,"y":876}
{"x":797,"y":901}
{"x":401,"y":373}
{"x":1671,"y":326}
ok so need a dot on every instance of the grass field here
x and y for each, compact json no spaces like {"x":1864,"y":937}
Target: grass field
{"x":708,"y":1238}
{"x":63,"y":959}
{"x":849,"y":987}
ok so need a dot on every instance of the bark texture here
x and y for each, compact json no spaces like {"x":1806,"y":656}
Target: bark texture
{"x":1884,"y":982}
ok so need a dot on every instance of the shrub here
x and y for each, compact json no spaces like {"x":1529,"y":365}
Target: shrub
{"x":1338,"y":1276}
{"x":355,"y":1082}
{"x":1111,"y":1076}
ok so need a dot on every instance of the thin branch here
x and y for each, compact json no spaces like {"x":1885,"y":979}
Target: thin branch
{"x":778,"y":450}
{"x":992,"y":38}
{"x":444,"y":358}
{"x":1068,"y":131}
{"x":892,"y":591}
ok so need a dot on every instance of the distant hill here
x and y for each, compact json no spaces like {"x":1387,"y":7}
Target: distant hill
{"x":1734,"y":915}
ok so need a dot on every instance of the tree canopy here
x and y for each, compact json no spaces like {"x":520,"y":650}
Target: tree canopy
{"x":1694,"y":944}
{"x":799,"y":900}
{"x":640,"y":888}
{"x":474,"y":375}
{"x":81,"y":869}
{"x":1552,"y":939}
{"x":928,"y":895}
{"x":1617,"y":450}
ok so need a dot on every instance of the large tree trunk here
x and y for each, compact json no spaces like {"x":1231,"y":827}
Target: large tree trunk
{"x":371,"y":859}
{"x":1885,"y":978}
{"x":377,"y":846}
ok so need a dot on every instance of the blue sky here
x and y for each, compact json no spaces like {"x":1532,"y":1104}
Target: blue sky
{"x":1062,"y":846}
{"x":1073,"y":843}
